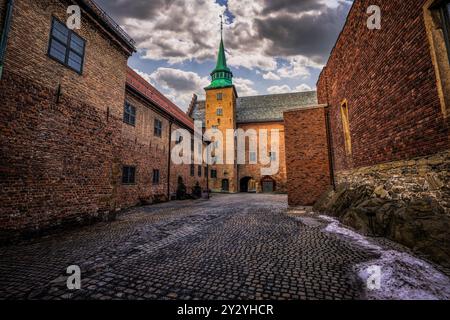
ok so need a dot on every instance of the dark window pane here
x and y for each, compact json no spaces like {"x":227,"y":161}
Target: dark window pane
{"x":60,"y":31}
{"x":77,"y":44}
{"x":75,"y":61}
{"x":129,"y":114}
{"x":74,"y":55}
{"x":57,"y":51}
{"x":128,"y":175}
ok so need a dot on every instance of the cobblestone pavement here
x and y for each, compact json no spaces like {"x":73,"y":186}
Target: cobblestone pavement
{"x":231,"y":247}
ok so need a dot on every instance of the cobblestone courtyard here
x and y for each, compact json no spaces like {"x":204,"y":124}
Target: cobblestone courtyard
{"x":232,"y":247}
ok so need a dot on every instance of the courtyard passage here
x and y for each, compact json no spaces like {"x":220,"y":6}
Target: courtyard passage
{"x":241,"y":246}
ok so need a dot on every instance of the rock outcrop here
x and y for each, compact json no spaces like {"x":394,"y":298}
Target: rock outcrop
{"x":407,"y":202}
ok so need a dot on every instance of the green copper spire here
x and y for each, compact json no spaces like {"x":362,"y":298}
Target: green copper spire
{"x":222,"y":75}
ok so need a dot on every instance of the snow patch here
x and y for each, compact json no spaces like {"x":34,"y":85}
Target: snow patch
{"x":403,"y":277}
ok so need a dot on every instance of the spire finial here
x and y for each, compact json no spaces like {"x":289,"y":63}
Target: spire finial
{"x":221,"y":26}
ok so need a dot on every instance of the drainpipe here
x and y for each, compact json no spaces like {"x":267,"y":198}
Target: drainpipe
{"x":330,"y":146}
{"x":169,"y":159}
{"x":329,"y":134}
{"x":5,"y":33}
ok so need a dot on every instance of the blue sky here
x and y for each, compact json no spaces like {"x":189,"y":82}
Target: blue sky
{"x":273,"y":46}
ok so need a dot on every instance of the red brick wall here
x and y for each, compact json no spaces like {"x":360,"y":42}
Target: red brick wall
{"x":307,"y":155}
{"x":388,"y":78}
{"x":56,"y":163}
{"x":184,"y":171}
{"x":254,"y":171}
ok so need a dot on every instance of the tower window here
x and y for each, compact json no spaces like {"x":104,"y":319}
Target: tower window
{"x":346,"y":127}
{"x":253,"y":157}
{"x":219,"y":112}
{"x":273,"y":156}
{"x":219,"y":96}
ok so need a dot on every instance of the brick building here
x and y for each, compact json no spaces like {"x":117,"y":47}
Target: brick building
{"x":223,"y":109}
{"x":387,"y":93}
{"x":81,"y":135}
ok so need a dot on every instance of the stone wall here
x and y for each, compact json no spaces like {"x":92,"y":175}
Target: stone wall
{"x":394,"y":182}
{"x":308,"y":166}
{"x":405,"y":201}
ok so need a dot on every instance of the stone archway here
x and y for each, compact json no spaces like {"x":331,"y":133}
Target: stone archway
{"x":244,"y":184}
{"x":268,"y":184}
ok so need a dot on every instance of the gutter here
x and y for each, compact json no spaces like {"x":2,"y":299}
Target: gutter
{"x":5,"y":33}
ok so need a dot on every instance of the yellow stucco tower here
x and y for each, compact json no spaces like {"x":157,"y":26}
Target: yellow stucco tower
{"x":221,"y":115}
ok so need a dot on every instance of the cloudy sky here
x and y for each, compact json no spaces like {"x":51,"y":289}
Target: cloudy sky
{"x":273,"y":46}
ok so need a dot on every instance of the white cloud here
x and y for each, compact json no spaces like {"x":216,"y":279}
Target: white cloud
{"x":271,"y":76}
{"x":303,"y":87}
{"x":244,"y":87}
{"x":176,"y":84}
{"x":279,"y":89}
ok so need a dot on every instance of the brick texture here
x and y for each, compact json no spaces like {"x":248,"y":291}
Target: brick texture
{"x":387,"y":76}
{"x":307,"y":161}
{"x":254,"y":171}
{"x":61,"y":161}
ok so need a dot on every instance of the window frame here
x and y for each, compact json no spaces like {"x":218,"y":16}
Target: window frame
{"x":128,"y":182}
{"x":192,"y":170}
{"x":157,"y":131}
{"x":252,"y":157}
{"x":67,"y":47}
{"x":200,"y":171}
{"x":130,"y":116}
{"x":156,"y":177}
{"x":219,"y":112}
{"x":213,"y":174}
{"x":344,"y":109}
{"x":219,"y":96}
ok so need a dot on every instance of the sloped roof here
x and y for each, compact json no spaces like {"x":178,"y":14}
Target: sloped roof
{"x":139,"y":84}
{"x":107,"y":22}
{"x":263,"y":108}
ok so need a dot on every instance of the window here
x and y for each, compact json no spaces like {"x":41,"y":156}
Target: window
{"x":253,"y":157}
{"x":66,"y":46}
{"x":192,"y":170}
{"x":158,"y":128}
{"x":128,"y":175}
{"x":214,"y":174}
{"x":219,"y":96}
{"x":179,"y":138}
{"x":346,"y":127}
{"x":156,"y":176}
{"x":219,"y":111}
{"x":199,"y":171}
{"x":129,"y":114}
{"x":215,"y":127}
{"x":273,"y":156}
